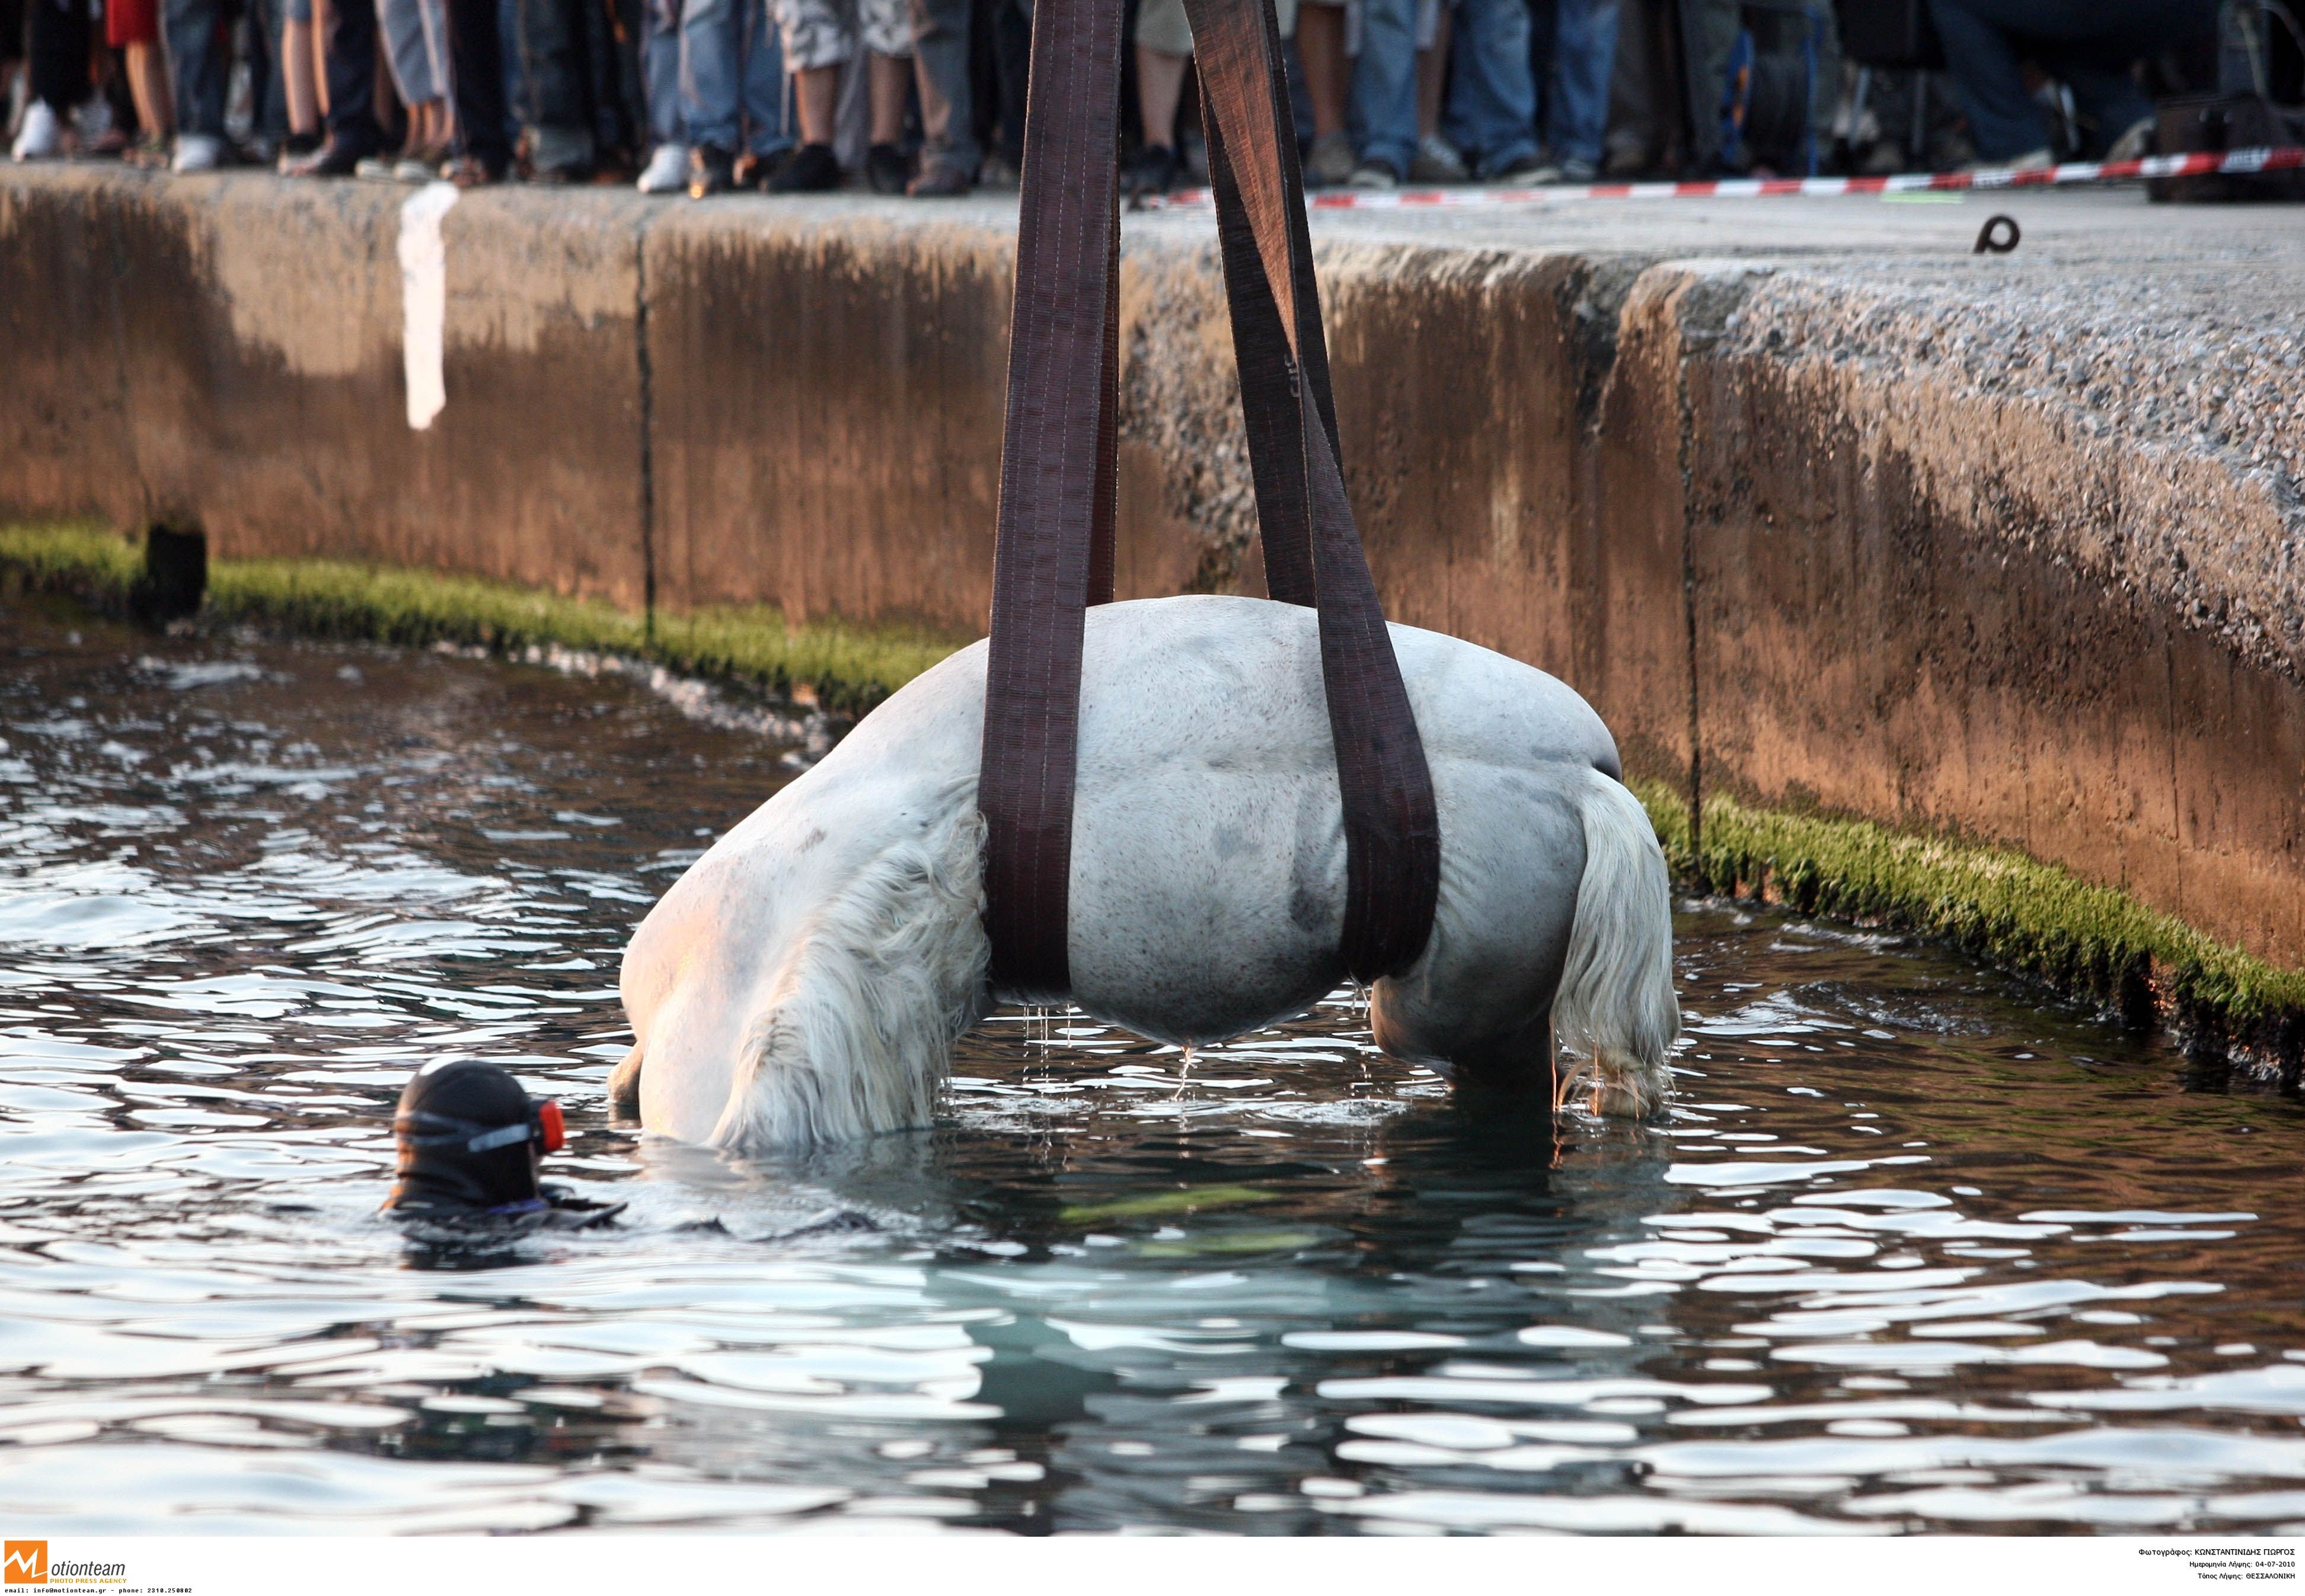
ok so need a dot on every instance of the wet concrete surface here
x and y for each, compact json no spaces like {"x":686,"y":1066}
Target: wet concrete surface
{"x":1815,"y":506}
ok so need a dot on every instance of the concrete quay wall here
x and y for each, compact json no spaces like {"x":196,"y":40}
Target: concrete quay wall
{"x":1795,"y":536}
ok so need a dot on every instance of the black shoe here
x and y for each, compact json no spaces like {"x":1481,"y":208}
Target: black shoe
{"x":942,"y":180}
{"x":811,"y":169}
{"x":1531,"y":169}
{"x":711,"y":171}
{"x":1154,"y":172}
{"x":470,"y":171}
{"x":887,"y":169}
{"x":331,"y":159}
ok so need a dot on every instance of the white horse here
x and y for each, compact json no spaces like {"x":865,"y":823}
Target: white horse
{"x":806,"y":980}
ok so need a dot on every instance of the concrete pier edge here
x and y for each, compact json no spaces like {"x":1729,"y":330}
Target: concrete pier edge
{"x":1837,"y":524}
{"x":2082,"y":941}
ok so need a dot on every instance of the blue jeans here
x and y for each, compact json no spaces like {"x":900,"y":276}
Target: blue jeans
{"x":660,"y":72}
{"x":1492,"y":105}
{"x":2090,"y":44}
{"x":1382,"y":107}
{"x":265,"y":85}
{"x":1582,"y":56}
{"x":731,"y":66}
{"x":198,"y":72}
{"x":557,"y":43}
{"x":941,"y":67}
{"x":515,"y":70}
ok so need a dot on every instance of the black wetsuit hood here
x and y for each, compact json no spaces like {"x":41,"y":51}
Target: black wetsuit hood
{"x":471,"y":1144}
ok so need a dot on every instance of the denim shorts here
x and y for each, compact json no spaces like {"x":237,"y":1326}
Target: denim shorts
{"x":826,"y":32}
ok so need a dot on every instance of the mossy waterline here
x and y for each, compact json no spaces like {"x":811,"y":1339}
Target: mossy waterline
{"x":2038,"y":920}
{"x":843,"y":667}
{"x":2015,"y":912}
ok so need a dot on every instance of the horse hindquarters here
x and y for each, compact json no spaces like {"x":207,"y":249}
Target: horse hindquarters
{"x":1555,"y":919}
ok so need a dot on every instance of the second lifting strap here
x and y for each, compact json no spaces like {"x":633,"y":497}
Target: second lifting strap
{"x":1058,"y":487}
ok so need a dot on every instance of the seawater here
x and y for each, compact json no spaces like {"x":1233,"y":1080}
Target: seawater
{"x":1916,"y":1248}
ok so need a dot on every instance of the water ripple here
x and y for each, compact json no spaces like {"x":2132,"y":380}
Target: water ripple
{"x":1908,"y":1252}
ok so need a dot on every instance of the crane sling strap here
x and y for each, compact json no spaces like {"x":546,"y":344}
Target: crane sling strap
{"x":1058,"y":471}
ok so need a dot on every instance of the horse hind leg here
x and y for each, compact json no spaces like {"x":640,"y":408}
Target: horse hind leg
{"x":1477,"y":1006}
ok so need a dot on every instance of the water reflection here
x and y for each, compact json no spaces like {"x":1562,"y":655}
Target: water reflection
{"x":1911,"y":1250}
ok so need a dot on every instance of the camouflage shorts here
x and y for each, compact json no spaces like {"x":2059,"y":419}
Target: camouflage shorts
{"x":824,"y":32}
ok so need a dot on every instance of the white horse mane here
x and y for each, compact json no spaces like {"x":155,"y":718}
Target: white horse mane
{"x":861,"y":1019}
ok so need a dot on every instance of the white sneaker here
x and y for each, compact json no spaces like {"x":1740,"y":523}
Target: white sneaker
{"x":196,"y":152}
{"x":42,"y":137}
{"x":667,"y":171}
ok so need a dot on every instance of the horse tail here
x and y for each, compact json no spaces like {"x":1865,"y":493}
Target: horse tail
{"x":1616,"y":1013}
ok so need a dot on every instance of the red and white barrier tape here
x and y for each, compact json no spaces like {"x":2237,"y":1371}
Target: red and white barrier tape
{"x":2201,"y":164}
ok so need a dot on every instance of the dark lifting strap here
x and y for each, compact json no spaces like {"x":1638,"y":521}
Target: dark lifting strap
{"x":1057,"y":487}
{"x":1063,"y":376}
{"x":1393,"y":835}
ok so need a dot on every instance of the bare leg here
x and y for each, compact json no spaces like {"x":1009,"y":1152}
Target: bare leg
{"x":1320,"y":44}
{"x":318,"y":29}
{"x":298,"y":78}
{"x":148,"y":85}
{"x":1160,"y":86}
{"x":817,"y":92}
{"x":1432,"y":79}
{"x":889,"y":87}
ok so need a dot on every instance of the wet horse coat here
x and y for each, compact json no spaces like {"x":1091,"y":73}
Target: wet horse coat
{"x":805,"y":981}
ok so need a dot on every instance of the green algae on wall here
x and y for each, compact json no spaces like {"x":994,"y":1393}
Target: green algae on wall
{"x":847,"y":667}
{"x":74,"y":558}
{"x":2016,"y":912}
{"x":842,"y":667}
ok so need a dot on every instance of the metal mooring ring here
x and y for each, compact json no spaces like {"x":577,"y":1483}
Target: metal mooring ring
{"x":1998,"y":236}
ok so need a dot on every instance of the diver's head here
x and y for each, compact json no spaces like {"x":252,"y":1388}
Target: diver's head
{"x":471,"y":1142}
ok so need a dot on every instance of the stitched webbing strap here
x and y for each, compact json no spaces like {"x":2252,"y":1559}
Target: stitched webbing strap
{"x":1058,"y":487}
{"x":1312,"y":549}
{"x":1054,"y":553}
